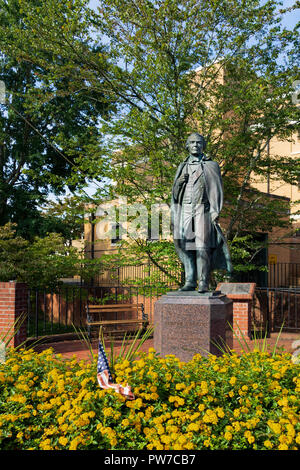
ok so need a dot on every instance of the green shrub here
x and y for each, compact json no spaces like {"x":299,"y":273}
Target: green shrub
{"x":227,"y":402}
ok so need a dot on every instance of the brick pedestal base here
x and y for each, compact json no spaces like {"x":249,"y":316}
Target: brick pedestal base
{"x":242,"y":307}
{"x":13,"y":304}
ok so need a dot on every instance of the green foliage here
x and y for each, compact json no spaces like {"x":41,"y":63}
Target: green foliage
{"x":243,"y":251}
{"x":162,"y":65}
{"x":158,"y":258}
{"x":47,"y":125}
{"x":42,"y":263}
{"x":249,"y":402}
{"x":65,"y":216}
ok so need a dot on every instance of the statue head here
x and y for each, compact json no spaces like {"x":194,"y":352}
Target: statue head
{"x":195,"y":143}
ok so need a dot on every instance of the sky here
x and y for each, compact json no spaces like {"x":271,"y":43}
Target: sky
{"x":290,"y":19}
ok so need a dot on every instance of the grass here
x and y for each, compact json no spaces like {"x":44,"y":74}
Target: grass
{"x":259,"y":341}
{"x":130,"y":346}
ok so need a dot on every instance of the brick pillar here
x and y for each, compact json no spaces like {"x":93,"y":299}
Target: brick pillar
{"x":13,"y":303}
{"x":242,"y":309}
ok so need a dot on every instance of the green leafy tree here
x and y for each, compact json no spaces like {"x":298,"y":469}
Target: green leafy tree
{"x":224,"y":68}
{"x":42,"y":263}
{"x":65,"y":216}
{"x":215,"y":67}
{"x":46,"y":127}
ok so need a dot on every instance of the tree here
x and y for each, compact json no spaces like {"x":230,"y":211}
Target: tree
{"x":46,"y":127}
{"x":65,"y":216}
{"x":213,"y":67}
{"x":43,"y":262}
{"x":225,"y":68}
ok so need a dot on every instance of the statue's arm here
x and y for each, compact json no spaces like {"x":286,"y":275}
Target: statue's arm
{"x":180,"y":179}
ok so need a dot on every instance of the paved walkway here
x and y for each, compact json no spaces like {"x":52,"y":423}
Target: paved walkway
{"x":78,"y":348}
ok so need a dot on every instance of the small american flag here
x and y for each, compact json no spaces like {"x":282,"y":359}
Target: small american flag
{"x":104,"y":376}
{"x":103,"y":364}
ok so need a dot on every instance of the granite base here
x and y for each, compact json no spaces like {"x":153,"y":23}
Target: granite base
{"x":189,"y":323}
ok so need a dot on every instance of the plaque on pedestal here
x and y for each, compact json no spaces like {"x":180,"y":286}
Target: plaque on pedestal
{"x":237,"y":288}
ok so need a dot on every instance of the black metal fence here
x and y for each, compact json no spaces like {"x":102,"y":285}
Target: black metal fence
{"x":57,"y":312}
{"x":276,"y":302}
{"x":128,"y":275}
{"x":277,"y":308}
{"x":285,"y":275}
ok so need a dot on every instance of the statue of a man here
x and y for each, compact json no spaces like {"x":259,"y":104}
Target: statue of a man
{"x":197,"y":199}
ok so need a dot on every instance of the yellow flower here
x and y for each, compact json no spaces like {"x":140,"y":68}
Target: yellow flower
{"x":180,"y":386}
{"x":276,"y":428}
{"x":182,"y":439}
{"x":74,"y":443}
{"x":63,"y":441}
{"x":268,"y":444}
{"x":220,"y":412}
{"x":282,"y":447}
{"x":232,"y":381}
{"x":165,"y":439}
{"x":189,"y":446}
{"x":108,"y":412}
{"x":210,"y":417}
{"x":45,"y":445}
{"x":193,"y":427}
{"x":237,"y":426}
{"x":250,"y":439}
{"x":228,"y":436}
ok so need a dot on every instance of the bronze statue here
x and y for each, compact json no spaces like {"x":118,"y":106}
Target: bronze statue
{"x":197,"y":199}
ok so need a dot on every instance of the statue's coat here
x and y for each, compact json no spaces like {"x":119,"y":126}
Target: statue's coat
{"x":214,"y":190}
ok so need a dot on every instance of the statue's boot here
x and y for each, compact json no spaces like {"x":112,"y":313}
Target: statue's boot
{"x":188,"y":286}
{"x":190,"y":272}
{"x":203,"y":269}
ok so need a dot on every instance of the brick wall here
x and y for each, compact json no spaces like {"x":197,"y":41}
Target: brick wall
{"x":242,"y":311}
{"x":13,"y":303}
{"x":242,"y":316}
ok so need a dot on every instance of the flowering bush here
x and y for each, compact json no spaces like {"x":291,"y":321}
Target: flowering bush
{"x":227,"y":402}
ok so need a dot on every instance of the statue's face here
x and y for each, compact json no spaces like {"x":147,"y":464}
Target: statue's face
{"x":195,"y":145}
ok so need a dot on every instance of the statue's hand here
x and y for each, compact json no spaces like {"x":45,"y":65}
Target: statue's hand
{"x":214,"y":217}
{"x":183,"y":179}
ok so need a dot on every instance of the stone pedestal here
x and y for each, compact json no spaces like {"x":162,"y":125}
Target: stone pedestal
{"x":189,"y":323}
